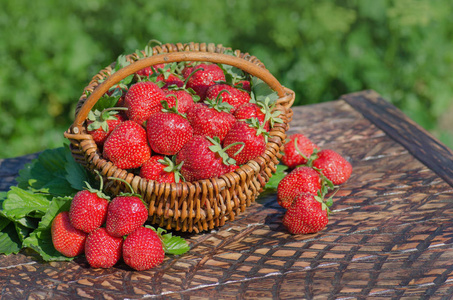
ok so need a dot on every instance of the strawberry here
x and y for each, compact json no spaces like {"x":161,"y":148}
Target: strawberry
{"x":66,"y":239}
{"x":88,"y":209}
{"x":231,"y":95}
{"x":252,"y":138}
{"x":168,"y":130}
{"x":127,"y":146}
{"x":142,"y":100}
{"x":300,"y":180}
{"x":251,"y":110}
{"x":244,"y":85}
{"x":184,"y":98}
{"x":103,"y":250}
{"x":143,"y":249}
{"x":203,"y":158}
{"x":332,"y":165}
{"x":101,"y":124}
{"x":148,"y":71}
{"x":307,"y":214}
{"x":205,"y":76}
{"x":161,"y":169}
{"x":126,"y":213}
{"x":211,"y":118}
{"x":297,"y":150}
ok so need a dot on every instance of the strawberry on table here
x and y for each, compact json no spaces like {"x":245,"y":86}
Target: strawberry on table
{"x":307,"y":214}
{"x":88,"y":209}
{"x":297,"y":150}
{"x":142,"y":100}
{"x":103,"y":250}
{"x":66,"y":239}
{"x":252,"y":137}
{"x":127,"y":146}
{"x":300,"y":180}
{"x":126,"y":213}
{"x":143,"y":249}
{"x":332,"y":165}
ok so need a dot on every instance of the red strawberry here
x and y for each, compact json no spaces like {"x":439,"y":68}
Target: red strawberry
{"x":251,"y":110}
{"x":202,"y":79}
{"x":143,"y":249}
{"x":101,"y":124}
{"x":103,"y":250}
{"x":202,"y":158}
{"x":168,"y":131}
{"x":142,"y":100}
{"x":332,"y":165}
{"x":243,"y":84}
{"x":307,"y":214}
{"x":88,"y":209}
{"x":253,"y":139}
{"x":231,"y":95}
{"x":184,"y":98}
{"x":300,"y":180}
{"x":125,"y":214}
{"x":160,"y":169}
{"x":146,"y":72}
{"x":295,"y":154}
{"x":127,"y":146}
{"x":66,"y":239}
{"x":211,"y":118}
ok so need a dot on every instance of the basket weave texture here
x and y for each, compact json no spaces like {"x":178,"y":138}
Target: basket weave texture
{"x":185,"y":206}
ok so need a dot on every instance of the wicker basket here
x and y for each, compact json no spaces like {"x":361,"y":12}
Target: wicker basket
{"x":185,"y":206}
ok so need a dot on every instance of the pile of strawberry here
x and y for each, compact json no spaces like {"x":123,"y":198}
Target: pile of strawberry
{"x":182,"y":121}
{"x":314,"y":174}
{"x":107,"y":231}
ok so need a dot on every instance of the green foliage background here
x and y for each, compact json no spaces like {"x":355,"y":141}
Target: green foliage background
{"x":322,"y":49}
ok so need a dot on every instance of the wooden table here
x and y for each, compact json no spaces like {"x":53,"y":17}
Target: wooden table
{"x":391,"y":234}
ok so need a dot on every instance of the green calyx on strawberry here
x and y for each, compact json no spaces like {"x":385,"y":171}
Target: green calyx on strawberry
{"x":99,"y":119}
{"x":266,"y":108}
{"x":218,"y":104}
{"x":216,"y":147}
{"x":172,"y":167}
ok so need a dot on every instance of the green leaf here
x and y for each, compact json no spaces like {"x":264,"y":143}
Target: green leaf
{"x":261,"y":91}
{"x":21,"y":203}
{"x":277,"y":177}
{"x":174,"y":245}
{"x":106,"y":102}
{"x":47,"y":173}
{"x":40,"y":240}
{"x":76,"y":175}
{"x":10,"y":242}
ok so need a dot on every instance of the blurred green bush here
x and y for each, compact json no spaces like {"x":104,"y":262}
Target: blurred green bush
{"x":322,"y":49}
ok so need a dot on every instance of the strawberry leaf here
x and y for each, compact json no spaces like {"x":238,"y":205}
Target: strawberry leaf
{"x":260,"y":91}
{"x":277,"y":177}
{"x":10,"y":242}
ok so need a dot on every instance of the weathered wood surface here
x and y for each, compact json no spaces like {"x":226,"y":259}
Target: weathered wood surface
{"x":390,"y":236}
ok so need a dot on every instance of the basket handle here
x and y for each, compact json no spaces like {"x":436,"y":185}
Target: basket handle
{"x":243,"y":64}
